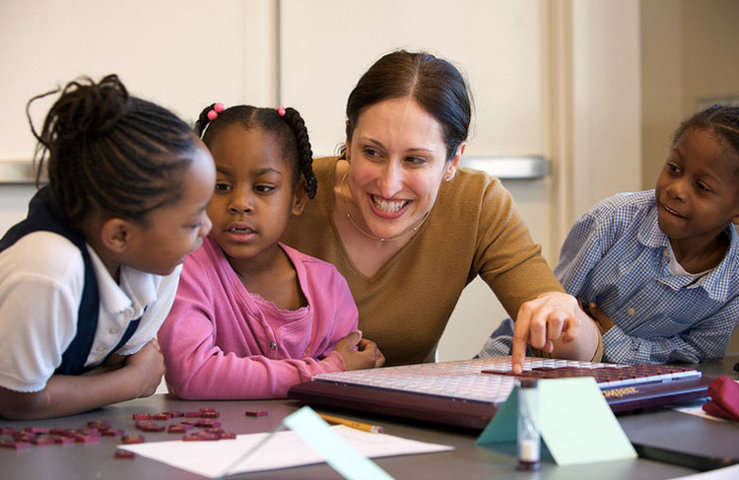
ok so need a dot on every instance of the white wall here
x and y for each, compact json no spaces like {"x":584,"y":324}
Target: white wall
{"x":182,"y":54}
{"x":607,"y":100}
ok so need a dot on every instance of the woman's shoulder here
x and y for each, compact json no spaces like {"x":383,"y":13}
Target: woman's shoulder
{"x":324,"y":167}
{"x":473,"y":194}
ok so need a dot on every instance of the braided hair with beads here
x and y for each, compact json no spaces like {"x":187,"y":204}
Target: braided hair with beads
{"x":287,"y":125}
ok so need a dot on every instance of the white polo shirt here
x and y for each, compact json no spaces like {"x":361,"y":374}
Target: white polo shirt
{"x":41,"y":283}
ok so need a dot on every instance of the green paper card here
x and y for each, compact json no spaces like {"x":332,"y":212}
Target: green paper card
{"x":575,"y":422}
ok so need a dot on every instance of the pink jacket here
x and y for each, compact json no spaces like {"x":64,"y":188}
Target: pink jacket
{"x":222,"y":342}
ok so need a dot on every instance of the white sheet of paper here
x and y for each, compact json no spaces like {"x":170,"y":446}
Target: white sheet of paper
{"x":699,"y":412}
{"x":285,"y":449}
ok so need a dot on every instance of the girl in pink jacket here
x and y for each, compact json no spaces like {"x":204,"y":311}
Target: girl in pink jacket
{"x":252,"y":316}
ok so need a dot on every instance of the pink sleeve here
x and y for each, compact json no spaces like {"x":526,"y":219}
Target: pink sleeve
{"x":197,"y":368}
{"x":342,"y":312}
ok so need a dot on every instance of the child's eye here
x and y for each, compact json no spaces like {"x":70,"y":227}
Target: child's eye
{"x":264,"y":188}
{"x":703,"y":187}
{"x":672,"y":168}
{"x":222,"y":187}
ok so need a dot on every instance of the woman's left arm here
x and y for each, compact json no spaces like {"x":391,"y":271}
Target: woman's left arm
{"x":508,"y":260}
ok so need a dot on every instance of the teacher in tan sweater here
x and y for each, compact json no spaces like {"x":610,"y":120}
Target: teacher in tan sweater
{"x":409,"y":228}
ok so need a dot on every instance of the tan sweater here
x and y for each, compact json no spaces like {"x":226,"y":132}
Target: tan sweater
{"x":473,"y":229}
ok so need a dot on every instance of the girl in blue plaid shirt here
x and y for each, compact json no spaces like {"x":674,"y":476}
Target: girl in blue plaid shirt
{"x":659,"y":270}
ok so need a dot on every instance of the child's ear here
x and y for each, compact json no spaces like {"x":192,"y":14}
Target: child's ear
{"x":116,"y":234}
{"x":300,"y":197}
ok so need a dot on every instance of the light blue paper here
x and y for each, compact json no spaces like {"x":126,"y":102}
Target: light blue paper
{"x":575,"y":422}
{"x":503,"y":426}
{"x":340,"y":455}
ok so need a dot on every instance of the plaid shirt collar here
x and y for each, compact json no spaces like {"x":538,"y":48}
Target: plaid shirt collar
{"x":716,"y":283}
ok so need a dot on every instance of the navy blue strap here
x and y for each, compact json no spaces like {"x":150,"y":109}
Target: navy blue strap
{"x":43,"y":217}
{"x":75,"y":356}
{"x":130,"y":330}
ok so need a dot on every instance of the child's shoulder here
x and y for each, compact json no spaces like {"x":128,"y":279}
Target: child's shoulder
{"x":43,"y":254}
{"x":627,"y":201}
{"x":311,"y":268}
{"x":309,"y":261}
{"x":206,"y":261}
{"x":624,"y":207}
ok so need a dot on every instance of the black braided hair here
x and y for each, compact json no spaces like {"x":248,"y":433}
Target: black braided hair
{"x":289,"y":129}
{"x":722,"y":120}
{"x":109,"y":151}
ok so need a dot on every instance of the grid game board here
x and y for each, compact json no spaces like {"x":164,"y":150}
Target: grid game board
{"x":468,"y":393}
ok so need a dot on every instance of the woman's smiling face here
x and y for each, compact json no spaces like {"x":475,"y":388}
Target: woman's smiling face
{"x":398,"y":161}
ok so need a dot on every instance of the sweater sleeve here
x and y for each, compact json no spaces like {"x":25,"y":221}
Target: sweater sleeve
{"x":506,"y":256}
{"x":338,"y":315}
{"x":198,"y":368}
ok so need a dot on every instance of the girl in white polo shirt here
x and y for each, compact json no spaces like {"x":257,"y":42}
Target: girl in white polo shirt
{"x":88,"y":277}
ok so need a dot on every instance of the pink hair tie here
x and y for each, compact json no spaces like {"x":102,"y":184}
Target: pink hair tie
{"x":281,"y":111}
{"x":213,"y":112}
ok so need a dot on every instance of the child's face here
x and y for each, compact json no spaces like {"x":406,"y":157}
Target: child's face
{"x":254,"y":194}
{"x":176,"y":229}
{"x":697,"y":193}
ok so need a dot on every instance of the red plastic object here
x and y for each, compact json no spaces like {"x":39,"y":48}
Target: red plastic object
{"x":208,"y":423}
{"x":87,"y":438}
{"x":99,"y":424}
{"x":44,"y":439}
{"x":36,"y":430}
{"x":149,"y":426}
{"x":133,"y":438}
{"x":63,"y":440}
{"x":123,"y":454}
{"x":13,"y":445}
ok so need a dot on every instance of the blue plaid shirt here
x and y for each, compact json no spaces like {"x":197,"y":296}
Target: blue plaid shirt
{"x":616,"y":256}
